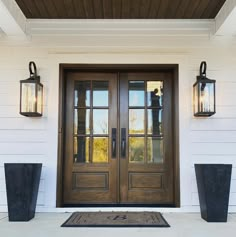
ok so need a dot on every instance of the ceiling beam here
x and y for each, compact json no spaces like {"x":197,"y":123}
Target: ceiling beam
{"x":12,"y":20}
{"x":226,"y":19}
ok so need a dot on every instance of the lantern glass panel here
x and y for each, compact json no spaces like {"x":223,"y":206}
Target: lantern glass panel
{"x":206,"y":99}
{"x":195,"y":97}
{"x":39,"y":98}
{"x":28,"y":97}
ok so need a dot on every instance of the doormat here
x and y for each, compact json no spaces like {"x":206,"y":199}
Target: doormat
{"x":116,"y":219}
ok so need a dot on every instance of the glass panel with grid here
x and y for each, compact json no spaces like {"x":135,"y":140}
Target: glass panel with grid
{"x":145,"y":122}
{"x":91,"y":121}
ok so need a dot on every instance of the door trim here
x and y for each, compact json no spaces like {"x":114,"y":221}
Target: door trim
{"x":64,"y":68}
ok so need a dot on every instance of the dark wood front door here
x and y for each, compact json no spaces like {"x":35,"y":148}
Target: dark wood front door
{"x":118,"y":139}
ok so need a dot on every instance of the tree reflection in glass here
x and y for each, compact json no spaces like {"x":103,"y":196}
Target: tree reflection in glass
{"x":136,"y":121}
{"x":100,"y":121}
{"x":100,"y":149}
{"x":136,"y":149}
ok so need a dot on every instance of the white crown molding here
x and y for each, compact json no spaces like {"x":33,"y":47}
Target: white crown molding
{"x":119,"y":27}
{"x":112,"y":33}
{"x":121,"y":34}
{"x":226,"y":19}
{"x":12,"y":20}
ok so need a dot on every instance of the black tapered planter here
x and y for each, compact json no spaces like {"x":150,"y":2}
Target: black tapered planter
{"x":22,"y":184}
{"x":213,"y":182}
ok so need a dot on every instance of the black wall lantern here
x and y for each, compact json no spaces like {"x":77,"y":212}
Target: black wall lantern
{"x":31,"y":94}
{"x":204,"y":94}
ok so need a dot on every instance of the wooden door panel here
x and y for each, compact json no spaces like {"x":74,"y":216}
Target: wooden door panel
{"x":138,"y":165}
{"x":148,"y":181}
{"x":92,"y":181}
{"x":148,"y":177}
{"x":152,"y":198}
{"x":89,"y":178}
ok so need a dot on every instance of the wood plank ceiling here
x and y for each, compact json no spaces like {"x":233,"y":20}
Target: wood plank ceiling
{"x":120,"y":9}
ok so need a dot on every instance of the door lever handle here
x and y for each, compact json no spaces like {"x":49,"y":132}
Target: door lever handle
{"x":113,"y":143}
{"x":123,"y":142}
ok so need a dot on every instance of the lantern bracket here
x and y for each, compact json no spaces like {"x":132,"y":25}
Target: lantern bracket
{"x":33,"y":71}
{"x":202,"y":77}
{"x":203,"y":67}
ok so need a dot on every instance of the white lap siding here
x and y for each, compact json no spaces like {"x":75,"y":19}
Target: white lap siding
{"x":202,"y":140}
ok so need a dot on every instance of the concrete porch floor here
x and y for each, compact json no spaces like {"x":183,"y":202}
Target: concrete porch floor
{"x":182,"y":225}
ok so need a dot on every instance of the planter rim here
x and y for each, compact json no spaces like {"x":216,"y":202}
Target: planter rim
{"x":22,"y":163}
{"x":211,"y":164}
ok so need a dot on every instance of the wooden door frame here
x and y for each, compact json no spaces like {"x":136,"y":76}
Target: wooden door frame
{"x":64,"y":68}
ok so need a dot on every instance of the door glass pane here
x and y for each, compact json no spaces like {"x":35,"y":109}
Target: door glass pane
{"x":136,"y":93}
{"x":100,"y":149}
{"x":82,"y":94}
{"x":136,"y":149}
{"x":154,"y":93}
{"x":100,"y":93}
{"x":136,"y":121}
{"x":154,"y":150}
{"x":81,"y":149}
{"x":81,"y":121}
{"x":100,"y":121}
{"x":154,"y":121}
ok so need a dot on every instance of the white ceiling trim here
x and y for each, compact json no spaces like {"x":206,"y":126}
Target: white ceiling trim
{"x":16,"y":28}
{"x":120,"y":27}
{"x":12,"y":20}
{"x":226,"y":19}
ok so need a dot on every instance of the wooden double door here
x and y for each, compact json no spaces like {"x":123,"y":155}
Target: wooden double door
{"x":118,"y":139}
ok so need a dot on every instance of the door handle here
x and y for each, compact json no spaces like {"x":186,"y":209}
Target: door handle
{"x":113,"y":143}
{"x":123,"y":142}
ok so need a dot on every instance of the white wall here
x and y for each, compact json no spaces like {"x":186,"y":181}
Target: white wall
{"x":202,"y":140}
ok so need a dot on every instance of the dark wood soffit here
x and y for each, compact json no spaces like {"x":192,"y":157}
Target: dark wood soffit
{"x":120,"y":9}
